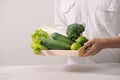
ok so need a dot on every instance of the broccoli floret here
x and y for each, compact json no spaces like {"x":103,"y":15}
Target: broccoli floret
{"x":74,"y":30}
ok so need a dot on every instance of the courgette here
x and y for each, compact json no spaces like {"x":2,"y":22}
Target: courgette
{"x":55,"y":44}
{"x":60,"y":37}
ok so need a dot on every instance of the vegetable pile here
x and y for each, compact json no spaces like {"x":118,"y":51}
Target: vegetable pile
{"x":43,"y":39}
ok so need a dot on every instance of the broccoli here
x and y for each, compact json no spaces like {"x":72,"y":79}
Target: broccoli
{"x":74,"y":30}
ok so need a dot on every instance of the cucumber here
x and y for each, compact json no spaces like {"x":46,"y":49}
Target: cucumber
{"x":55,"y":44}
{"x":60,"y":37}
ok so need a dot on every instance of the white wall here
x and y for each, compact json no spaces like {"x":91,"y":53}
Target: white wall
{"x":18,"y":20}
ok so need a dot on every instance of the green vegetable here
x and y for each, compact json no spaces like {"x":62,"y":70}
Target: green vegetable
{"x":75,"y":46}
{"x":60,"y":37}
{"x":37,"y":36}
{"x":55,"y":44}
{"x":74,"y":30}
{"x":81,"y":40}
{"x":36,"y":47}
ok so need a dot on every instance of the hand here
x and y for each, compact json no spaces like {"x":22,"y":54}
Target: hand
{"x":96,"y":46}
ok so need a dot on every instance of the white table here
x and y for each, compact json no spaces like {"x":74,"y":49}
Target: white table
{"x":61,"y":72}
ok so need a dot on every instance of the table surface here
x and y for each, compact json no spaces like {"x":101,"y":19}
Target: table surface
{"x":106,"y":71}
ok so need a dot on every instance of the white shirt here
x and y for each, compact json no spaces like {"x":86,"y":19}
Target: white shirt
{"x":102,"y":20}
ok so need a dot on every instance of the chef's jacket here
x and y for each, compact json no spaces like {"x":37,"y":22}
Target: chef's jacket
{"x":101,"y":19}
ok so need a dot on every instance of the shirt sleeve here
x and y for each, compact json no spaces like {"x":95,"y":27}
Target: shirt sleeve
{"x":59,"y":18}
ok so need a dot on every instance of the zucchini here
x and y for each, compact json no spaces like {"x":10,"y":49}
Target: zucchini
{"x":55,"y":44}
{"x":60,"y":37}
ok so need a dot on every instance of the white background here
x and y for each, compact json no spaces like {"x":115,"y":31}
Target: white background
{"x":18,"y":20}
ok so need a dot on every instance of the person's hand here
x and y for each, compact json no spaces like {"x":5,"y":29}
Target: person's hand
{"x":96,"y":46}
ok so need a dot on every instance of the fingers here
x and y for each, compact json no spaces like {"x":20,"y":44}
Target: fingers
{"x":82,"y":50}
{"x":95,"y":47}
{"x":89,"y":43}
{"x":90,"y":52}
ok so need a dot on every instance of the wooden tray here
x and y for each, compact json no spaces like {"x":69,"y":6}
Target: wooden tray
{"x":79,"y":52}
{"x":60,"y":52}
